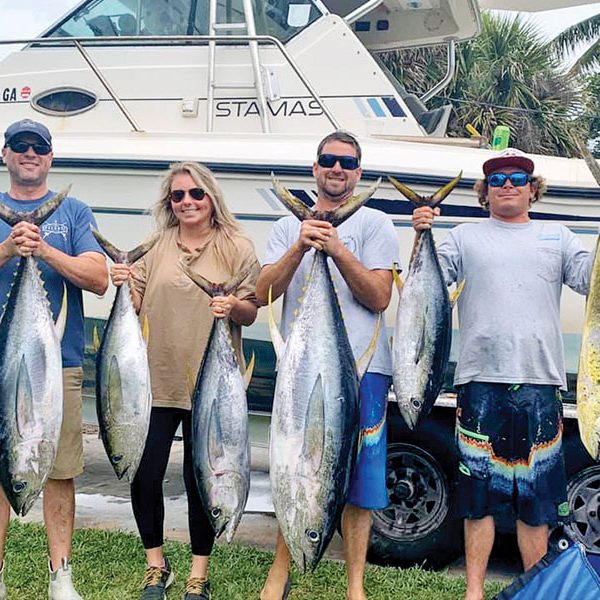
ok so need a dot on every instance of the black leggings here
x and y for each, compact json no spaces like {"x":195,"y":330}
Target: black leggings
{"x":147,"y":488}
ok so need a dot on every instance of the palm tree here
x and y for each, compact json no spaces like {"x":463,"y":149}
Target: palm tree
{"x":584,"y":32}
{"x":507,"y":76}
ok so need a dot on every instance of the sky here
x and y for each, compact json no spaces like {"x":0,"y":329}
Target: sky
{"x":28,"y":18}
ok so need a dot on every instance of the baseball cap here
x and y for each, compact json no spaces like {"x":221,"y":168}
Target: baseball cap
{"x":27,"y":126}
{"x":511,"y":157}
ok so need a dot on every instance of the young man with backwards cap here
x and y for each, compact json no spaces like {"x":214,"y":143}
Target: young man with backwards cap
{"x":511,"y":367}
{"x":67,"y":255}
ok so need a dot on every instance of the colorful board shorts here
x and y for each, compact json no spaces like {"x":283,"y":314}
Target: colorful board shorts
{"x":509,"y":441}
{"x":368,"y":488}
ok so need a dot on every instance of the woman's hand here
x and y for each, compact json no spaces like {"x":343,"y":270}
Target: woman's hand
{"x":222,"y":306}
{"x":120,"y":273}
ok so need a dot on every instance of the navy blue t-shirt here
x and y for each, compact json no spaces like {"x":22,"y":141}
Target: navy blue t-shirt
{"x":68,"y":230}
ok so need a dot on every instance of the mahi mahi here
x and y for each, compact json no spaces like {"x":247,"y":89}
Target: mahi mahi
{"x":31,"y":386}
{"x":123,"y":391}
{"x":588,"y":376}
{"x":315,"y":420}
{"x":220,"y":434}
{"x":423,"y":330}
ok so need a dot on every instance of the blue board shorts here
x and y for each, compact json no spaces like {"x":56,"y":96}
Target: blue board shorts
{"x":368,"y":488}
{"x":509,"y":440}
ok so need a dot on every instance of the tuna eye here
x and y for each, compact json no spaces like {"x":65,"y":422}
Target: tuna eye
{"x":313,"y":536}
{"x":416,"y":403}
{"x":116,"y":459}
{"x":19,"y":486}
{"x":215,"y":513}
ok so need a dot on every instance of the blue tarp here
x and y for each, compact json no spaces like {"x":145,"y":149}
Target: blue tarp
{"x":569,"y":574}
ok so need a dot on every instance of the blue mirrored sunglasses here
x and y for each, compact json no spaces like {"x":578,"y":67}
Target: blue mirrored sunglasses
{"x":349,"y":163}
{"x":517,"y":179}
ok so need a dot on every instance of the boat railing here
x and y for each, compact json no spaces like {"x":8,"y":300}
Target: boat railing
{"x":80,"y":44}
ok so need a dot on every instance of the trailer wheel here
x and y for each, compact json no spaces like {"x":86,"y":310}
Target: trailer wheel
{"x":419,"y":526}
{"x":583,"y":495}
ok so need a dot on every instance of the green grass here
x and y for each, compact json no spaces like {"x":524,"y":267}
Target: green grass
{"x":110,"y":566}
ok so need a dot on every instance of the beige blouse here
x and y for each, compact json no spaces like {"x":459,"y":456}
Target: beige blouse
{"x":179,"y":319}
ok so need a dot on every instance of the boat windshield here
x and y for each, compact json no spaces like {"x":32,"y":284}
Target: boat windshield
{"x":104,"y":18}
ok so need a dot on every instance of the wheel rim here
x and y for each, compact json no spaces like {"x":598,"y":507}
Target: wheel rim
{"x":418,"y":492}
{"x":583,"y":494}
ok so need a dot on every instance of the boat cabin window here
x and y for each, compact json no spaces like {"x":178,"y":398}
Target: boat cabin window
{"x":109,"y":18}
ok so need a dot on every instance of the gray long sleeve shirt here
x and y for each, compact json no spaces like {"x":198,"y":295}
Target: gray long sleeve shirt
{"x":509,"y":310}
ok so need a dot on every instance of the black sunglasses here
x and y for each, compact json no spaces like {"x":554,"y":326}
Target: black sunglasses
{"x":349,"y":163}
{"x":517,"y":179}
{"x":20,"y":147}
{"x":179,"y":195}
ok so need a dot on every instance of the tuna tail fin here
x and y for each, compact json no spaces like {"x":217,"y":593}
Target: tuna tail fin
{"x":276,"y":337}
{"x":249,"y":371}
{"x":61,"y":320}
{"x":418,"y":200}
{"x":346,"y":210}
{"x":456,"y":293}
{"x":39,"y":215}
{"x":139,"y":251}
{"x":293,"y":204}
{"x":444,"y":191}
{"x":362,"y":364}
{"x":215,"y":289}
{"x":397,"y":279}
{"x":119,"y":256}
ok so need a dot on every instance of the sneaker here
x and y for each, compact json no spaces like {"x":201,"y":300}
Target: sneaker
{"x":61,"y":585}
{"x":197,"y":588}
{"x":3,"y":595}
{"x":156,"y":581}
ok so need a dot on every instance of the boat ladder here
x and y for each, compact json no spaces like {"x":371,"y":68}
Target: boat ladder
{"x":216,"y":28}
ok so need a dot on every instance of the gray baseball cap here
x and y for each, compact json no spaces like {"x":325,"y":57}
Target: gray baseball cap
{"x":27,"y":126}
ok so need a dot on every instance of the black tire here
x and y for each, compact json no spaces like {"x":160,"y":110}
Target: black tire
{"x":420,"y":526}
{"x":583,"y":495}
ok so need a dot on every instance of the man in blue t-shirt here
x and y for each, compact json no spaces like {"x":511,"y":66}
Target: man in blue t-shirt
{"x":68,"y":255}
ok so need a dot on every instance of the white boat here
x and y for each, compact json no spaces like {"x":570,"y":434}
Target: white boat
{"x":249,"y":87}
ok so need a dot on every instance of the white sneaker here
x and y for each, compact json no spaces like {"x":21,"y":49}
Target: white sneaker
{"x":3,"y":595}
{"x":61,"y":586}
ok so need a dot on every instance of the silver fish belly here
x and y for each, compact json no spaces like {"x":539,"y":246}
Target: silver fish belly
{"x":31,"y":389}
{"x":314,"y":426}
{"x":123,"y":391}
{"x":220,"y":434}
{"x":422,"y":334}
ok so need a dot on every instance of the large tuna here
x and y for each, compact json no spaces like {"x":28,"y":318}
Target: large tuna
{"x":315,"y":421}
{"x":31,"y":387}
{"x":423,"y":331}
{"x":220,"y":435}
{"x":123,"y":392}
{"x":588,"y":376}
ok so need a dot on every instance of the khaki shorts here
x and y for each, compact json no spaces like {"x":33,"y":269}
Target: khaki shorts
{"x":69,"y":456}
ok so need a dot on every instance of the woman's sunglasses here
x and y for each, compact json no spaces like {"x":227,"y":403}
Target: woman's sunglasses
{"x":517,"y":179}
{"x":179,"y":195}
{"x":348,"y":163}
{"x":20,"y":147}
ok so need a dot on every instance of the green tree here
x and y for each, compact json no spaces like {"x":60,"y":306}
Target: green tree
{"x":509,"y":75}
{"x":572,"y":38}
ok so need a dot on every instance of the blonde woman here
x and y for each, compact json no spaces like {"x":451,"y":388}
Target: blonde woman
{"x":197,"y":228}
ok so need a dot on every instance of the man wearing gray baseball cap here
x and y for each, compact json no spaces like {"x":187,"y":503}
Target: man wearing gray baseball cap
{"x":68,"y":258}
